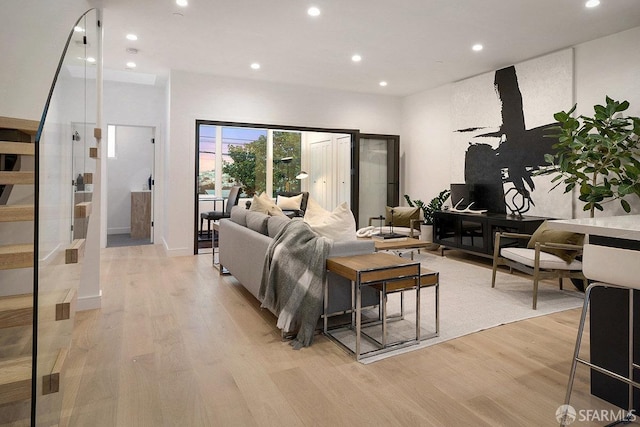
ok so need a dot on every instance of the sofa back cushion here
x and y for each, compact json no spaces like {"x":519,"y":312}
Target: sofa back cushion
{"x":275,"y":224}
{"x":239,"y":215}
{"x":257,"y":221}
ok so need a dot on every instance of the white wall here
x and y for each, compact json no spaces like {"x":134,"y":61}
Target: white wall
{"x":30,"y":51}
{"x":606,"y":66}
{"x":199,"y":96}
{"x":609,"y":66}
{"x":137,"y":105}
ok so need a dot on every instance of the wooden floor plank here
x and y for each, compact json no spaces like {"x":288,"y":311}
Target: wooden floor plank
{"x":175,"y":343}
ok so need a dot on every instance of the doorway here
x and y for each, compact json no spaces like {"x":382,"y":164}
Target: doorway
{"x":130,"y":170}
{"x":377,"y":182}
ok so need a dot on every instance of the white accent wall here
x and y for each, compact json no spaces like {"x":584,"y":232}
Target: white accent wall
{"x":606,"y":66}
{"x":200,"y":96}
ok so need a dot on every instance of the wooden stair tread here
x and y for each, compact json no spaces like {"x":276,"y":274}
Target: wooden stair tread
{"x":20,"y":148}
{"x":24,"y":125}
{"x":16,"y":256}
{"x":15,"y":379}
{"x":16,"y":310}
{"x":11,"y":213}
{"x":20,"y":177}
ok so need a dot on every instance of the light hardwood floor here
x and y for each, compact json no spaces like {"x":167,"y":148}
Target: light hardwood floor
{"x":175,"y":344}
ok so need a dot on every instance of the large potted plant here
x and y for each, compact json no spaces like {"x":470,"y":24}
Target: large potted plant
{"x":428,"y":210}
{"x":600,"y":155}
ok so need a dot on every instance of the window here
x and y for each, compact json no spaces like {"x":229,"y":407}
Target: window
{"x":111,"y":142}
{"x":244,"y":154}
{"x":242,"y":160}
{"x":207,"y":158}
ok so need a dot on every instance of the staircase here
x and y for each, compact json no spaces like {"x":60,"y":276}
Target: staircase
{"x":16,"y":311}
{"x":16,"y":257}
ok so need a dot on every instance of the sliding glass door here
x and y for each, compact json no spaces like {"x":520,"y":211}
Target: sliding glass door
{"x":378,"y":175}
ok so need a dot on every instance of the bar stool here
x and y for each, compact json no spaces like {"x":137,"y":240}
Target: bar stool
{"x":609,"y":267}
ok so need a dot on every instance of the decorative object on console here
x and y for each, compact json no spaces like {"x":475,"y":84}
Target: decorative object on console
{"x":467,"y":209}
{"x":519,"y":203}
{"x":599,"y":155}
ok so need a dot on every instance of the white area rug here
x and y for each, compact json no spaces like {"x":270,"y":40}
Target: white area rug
{"x":468,"y":304}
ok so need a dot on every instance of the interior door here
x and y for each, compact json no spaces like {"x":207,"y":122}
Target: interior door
{"x":320,"y":172}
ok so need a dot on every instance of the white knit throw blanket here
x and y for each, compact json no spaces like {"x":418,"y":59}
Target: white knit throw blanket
{"x":292,"y":279}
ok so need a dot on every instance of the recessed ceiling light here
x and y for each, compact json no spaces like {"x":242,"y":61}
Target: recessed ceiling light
{"x":255,"y":66}
{"x":131,"y":65}
{"x":313,"y":11}
{"x":592,"y":3}
{"x":356,"y":58}
{"x":132,"y":37}
{"x":383,"y":83}
{"x":78,"y":29}
{"x":182,"y":3}
{"x":91,"y":59}
{"x":477,"y":47}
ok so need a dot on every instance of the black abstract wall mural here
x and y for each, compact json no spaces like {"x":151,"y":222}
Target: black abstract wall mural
{"x":501,"y":178}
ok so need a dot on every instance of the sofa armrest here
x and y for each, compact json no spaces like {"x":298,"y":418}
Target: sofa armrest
{"x":352,"y":247}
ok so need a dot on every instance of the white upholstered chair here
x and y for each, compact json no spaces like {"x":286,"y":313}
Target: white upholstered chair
{"x":537,"y":260}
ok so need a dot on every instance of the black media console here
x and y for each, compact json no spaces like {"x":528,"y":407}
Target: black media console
{"x":475,"y":233}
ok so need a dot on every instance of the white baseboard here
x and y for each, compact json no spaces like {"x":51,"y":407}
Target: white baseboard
{"x":119,"y":230}
{"x":89,"y":302}
{"x":175,"y":251}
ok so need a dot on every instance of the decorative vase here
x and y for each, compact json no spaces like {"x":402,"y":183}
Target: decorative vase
{"x":426,"y":233}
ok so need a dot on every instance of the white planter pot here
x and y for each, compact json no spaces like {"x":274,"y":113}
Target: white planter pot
{"x":426,"y":233}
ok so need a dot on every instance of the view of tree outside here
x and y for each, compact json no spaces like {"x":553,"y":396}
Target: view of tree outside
{"x":286,"y":161}
{"x":244,"y":153}
{"x":245,"y":162}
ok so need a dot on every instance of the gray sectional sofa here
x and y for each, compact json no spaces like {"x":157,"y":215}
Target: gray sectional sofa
{"x":243,"y":242}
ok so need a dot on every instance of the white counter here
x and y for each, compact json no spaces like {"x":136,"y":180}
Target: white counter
{"x":621,"y":227}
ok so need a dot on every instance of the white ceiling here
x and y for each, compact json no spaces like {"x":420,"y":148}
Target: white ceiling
{"x":412,"y":44}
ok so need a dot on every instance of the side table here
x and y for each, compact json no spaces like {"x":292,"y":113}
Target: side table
{"x":215,"y":227}
{"x":369,"y":270}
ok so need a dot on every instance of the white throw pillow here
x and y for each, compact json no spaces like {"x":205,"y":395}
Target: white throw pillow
{"x":339,"y":225}
{"x":264,"y":204}
{"x":289,"y":203}
{"x":314,"y":212}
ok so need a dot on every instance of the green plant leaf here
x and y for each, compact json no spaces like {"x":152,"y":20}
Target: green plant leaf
{"x":625,"y":205}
